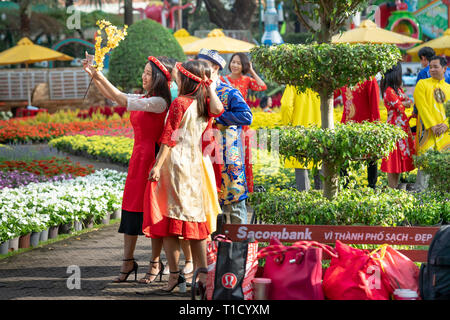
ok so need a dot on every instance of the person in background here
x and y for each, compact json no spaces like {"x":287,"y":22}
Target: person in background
{"x":430,"y":95}
{"x":147,"y":118}
{"x":395,"y":100}
{"x":233,"y":186}
{"x":425,"y":54}
{"x":362,"y":103}
{"x":301,"y":109}
{"x":266,"y":104}
{"x":239,"y":67}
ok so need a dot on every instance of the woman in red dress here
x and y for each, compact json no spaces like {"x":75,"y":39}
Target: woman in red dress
{"x":183,"y":198}
{"x":147,"y":118}
{"x":239,"y":66}
{"x":395,"y":100}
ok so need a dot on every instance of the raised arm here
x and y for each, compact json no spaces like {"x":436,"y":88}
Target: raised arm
{"x":260,"y":84}
{"x":105,"y":87}
{"x":238,"y":112}
{"x":215,"y":105}
{"x":151,"y":104}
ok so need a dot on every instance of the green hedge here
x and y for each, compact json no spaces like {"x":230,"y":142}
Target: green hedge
{"x":355,"y":206}
{"x":437,"y":165}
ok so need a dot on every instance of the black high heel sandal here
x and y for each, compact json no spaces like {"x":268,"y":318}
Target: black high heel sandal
{"x":146,"y":278}
{"x":181,"y":282}
{"x":135,"y":267}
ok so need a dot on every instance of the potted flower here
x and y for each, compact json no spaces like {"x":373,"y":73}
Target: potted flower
{"x":5,"y":235}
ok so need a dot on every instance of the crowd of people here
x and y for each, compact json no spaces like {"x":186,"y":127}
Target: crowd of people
{"x":181,"y":178}
{"x":362,"y":103}
{"x":175,"y":190}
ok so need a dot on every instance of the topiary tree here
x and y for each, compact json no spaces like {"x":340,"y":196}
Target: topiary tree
{"x":145,"y":38}
{"x":325,"y":67}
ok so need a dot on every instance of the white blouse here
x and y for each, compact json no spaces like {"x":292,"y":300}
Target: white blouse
{"x":135,"y":102}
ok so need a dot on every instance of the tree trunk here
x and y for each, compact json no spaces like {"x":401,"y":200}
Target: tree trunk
{"x":128,"y":12}
{"x":326,"y":109}
{"x":25,"y":18}
{"x":330,"y":184}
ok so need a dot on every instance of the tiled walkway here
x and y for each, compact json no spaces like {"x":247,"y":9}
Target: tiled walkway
{"x":49,"y":271}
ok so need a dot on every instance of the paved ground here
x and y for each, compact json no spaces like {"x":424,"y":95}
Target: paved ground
{"x":44,"y":273}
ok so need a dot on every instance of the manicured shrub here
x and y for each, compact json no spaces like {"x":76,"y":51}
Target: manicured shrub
{"x":145,"y":38}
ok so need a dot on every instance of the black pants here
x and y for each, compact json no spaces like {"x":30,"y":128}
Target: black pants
{"x":372,"y":174}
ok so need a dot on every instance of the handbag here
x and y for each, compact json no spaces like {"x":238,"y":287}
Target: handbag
{"x":401,"y":272}
{"x":355,"y":275}
{"x":231,"y":269}
{"x":295,"y":271}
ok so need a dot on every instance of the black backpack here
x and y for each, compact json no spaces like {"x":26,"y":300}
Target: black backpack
{"x":434,"y":279}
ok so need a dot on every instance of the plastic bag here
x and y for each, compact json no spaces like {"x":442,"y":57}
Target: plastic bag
{"x":355,"y":275}
{"x":401,"y":272}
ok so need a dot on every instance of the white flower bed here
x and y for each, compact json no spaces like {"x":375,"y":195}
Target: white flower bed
{"x":36,"y":206}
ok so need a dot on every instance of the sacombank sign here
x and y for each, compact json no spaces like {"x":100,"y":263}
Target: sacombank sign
{"x":260,"y":235}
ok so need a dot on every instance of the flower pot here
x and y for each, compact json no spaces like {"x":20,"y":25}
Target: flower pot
{"x":53,"y":232}
{"x":116,"y":214}
{"x":65,"y":228}
{"x":106,"y":219}
{"x":14,"y":244}
{"x":77,"y":226}
{"x":44,"y":235}
{"x":34,"y":239}
{"x":88,"y":223}
{"x":24,"y":241}
{"x":4,"y":247}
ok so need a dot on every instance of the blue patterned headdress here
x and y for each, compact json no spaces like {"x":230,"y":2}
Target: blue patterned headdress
{"x":213,"y":56}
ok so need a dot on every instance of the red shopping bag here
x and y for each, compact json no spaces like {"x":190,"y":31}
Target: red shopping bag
{"x":355,"y":275}
{"x":295,"y":271}
{"x":401,"y":272}
{"x":231,"y":269}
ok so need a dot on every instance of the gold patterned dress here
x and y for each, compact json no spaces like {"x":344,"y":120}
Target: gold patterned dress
{"x":184,"y":201}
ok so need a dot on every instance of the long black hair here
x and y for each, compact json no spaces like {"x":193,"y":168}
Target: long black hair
{"x":188,"y":86}
{"x":160,"y":86}
{"x":392,"y":78}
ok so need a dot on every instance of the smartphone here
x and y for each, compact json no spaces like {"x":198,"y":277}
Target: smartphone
{"x":89,"y":58}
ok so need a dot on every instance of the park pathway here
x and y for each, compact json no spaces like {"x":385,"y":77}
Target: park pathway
{"x":48,"y":271}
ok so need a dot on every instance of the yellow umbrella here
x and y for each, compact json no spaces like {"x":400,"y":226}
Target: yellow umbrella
{"x":440,"y":45}
{"x":216,"y":40}
{"x":369,"y":32}
{"x":27,"y":52}
{"x":183,"y":37}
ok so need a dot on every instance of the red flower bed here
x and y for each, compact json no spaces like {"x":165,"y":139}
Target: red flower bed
{"x":13,"y":132}
{"x":106,"y":111}
{"x":24,"y":112}
{"x":54,"y":166}
{"x":114,"y":132}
